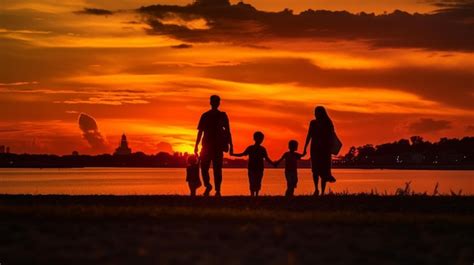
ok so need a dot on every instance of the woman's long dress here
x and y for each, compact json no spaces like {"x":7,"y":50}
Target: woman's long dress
{"x":321,"y":139}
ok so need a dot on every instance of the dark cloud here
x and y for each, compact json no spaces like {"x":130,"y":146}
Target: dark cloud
{"x":450,"y":5}
{"x":94,"y":11}
{"x":182,"y":46}
{"x":428,"y":125}
{"x":132,"y":22}
{"x":449,"y":86}
{"x":91,"y":133}
{"x":449,"y":28}
{"x":164,"y":147}
{"x":9,"y":130}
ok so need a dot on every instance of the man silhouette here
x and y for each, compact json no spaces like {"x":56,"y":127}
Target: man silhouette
{"x":217,"y":139}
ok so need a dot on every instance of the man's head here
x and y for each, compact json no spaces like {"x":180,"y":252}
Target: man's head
{"x":258,"y":137}
{"x":215,"y":101}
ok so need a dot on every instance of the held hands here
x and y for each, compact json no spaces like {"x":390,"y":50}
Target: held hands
{"x":196,"y":150}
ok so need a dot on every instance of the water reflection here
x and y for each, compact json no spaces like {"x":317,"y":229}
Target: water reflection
{"x":172,"y":181}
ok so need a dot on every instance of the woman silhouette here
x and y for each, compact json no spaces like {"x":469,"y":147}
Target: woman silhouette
{"x":321,"y":134}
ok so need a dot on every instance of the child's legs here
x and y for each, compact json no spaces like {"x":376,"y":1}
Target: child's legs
{"x":251,"y":180}
{"x":288,"y":187}
{"x":291,"y":181}
{"x":258,"y":181}
{"x":255,"y":180}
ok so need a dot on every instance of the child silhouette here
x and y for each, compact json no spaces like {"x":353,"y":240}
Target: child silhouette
{"x":291,"y":167}
{"x":256,"y":153}
{"x":192,"y":174}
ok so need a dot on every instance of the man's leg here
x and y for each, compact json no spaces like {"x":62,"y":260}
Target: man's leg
{"x":217,"y":167}
{"x":205,"y":165}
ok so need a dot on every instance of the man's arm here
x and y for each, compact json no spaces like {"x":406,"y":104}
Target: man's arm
{"x":200,"y":128}
{"x":198,"y":140}
{"x":227,"y":125}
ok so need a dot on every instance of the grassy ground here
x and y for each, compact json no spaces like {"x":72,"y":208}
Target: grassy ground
{"x":236,"y":230}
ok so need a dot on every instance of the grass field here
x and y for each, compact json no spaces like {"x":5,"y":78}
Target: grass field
{"x":349,"y":229}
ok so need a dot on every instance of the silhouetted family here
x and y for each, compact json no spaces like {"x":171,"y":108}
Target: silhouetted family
{"x":214,"y":134}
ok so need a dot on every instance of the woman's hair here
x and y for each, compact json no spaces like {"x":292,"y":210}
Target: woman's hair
{"x":322,"y":115}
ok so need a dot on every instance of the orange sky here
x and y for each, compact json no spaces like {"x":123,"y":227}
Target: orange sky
{"x":149,"y":73}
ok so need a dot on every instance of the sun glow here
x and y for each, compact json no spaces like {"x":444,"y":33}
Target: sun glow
{"x":154,"y":83}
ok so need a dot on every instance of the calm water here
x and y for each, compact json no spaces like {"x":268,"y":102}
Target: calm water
{"x":171,"y":181}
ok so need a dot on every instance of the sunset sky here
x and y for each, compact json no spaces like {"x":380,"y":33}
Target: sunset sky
{"x":147,"y":68}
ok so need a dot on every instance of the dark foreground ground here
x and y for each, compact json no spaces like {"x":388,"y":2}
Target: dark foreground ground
{"x":236,"y":230}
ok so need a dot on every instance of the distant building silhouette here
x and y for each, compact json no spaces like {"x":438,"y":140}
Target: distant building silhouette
{"x":75,"y":153}
{"x":2,"y":149}
{"x":7,"y":150}
{"x":123,"y":149}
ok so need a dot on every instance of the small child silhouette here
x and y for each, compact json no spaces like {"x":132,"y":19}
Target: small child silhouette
{"x":291,"y":167}
{"x":256,"y":153}
{"x":192,"y":174}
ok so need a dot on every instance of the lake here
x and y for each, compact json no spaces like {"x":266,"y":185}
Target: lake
{"x":147,"y":181}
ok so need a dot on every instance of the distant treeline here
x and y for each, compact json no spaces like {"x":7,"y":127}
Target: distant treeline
{"x":414,"y":153}
{"x":138,"y":159}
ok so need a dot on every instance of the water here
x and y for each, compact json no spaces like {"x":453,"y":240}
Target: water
{"x":138,"y":181}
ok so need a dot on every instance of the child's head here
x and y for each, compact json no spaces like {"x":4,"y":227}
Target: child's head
{"x":293,"y":145}
{"x":192,"y":160}
{"x":258,"y":137}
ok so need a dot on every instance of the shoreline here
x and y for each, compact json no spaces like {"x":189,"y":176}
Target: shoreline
{"x":470,"y":168}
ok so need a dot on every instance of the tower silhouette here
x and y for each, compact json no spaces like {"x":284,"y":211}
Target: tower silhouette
{"x":123,"y":149}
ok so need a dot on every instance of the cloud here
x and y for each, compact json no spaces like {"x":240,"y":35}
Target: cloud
{"x":451,"y":5}
{"x":19,"y":83}
{"x":449,"y":28}
{"x":164,"y":147}
{"x":91,"y":133}
{"x":470,"y":128}
{"x":182,"y":46}
{"x":9,"y":130}
{"x":94,"y":11}
{"x":428,"y":125}
{"x":452,"y":87}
